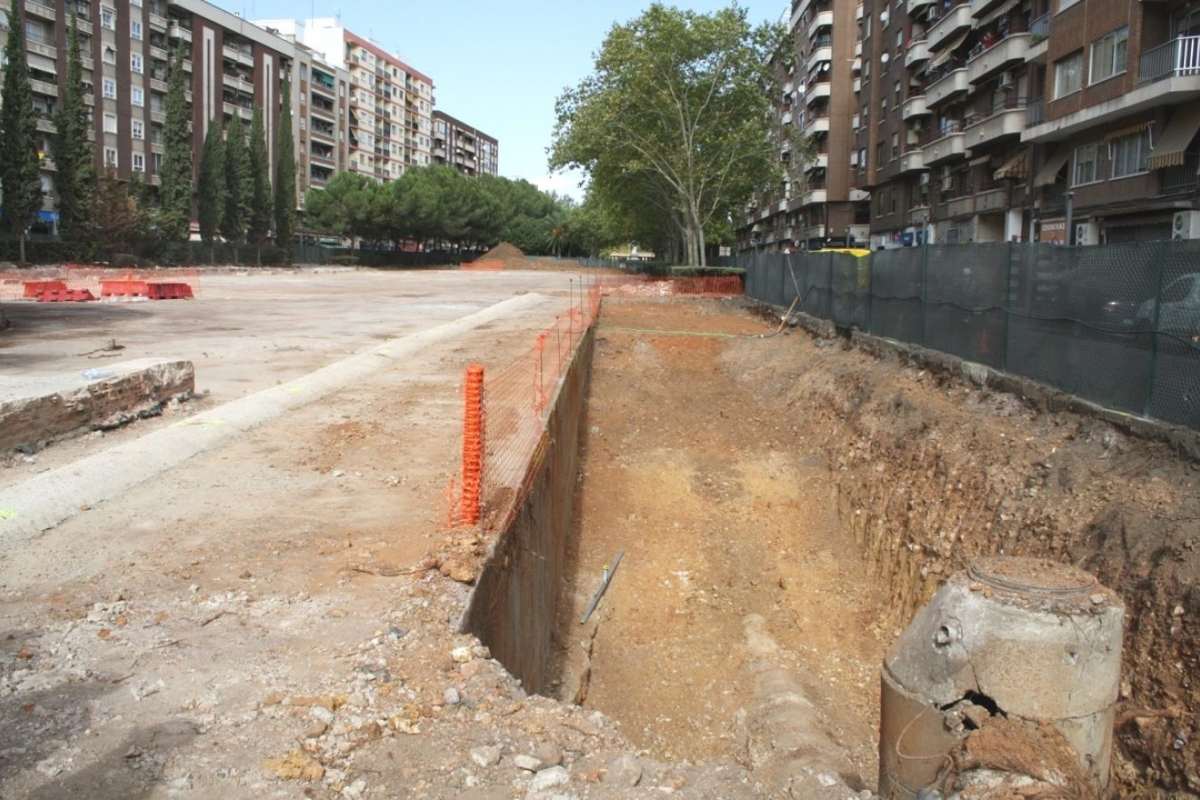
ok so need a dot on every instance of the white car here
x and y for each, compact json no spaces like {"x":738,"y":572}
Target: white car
{"x":1179,"y":306}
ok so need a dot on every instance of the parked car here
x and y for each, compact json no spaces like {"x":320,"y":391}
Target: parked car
{"x":1178,"y":308}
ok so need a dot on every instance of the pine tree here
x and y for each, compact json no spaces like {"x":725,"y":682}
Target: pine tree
{"x":210,"y":188}
{"x":175,"y":192}
{"x":19,"y":157}
{"x":259,"y":227}
{"x":238,"y":186}
{"x":75,"y":181}
{"x":285,"y":176}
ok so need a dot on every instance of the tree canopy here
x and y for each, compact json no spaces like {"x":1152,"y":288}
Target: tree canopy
{"x":20,"y":159}
{"x":673,"y":125}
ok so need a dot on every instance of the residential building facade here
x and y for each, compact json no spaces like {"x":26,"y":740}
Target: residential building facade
{"x":466,"y":148}
{"x":125,"y":45}
{"x":820,"y":202}
{"x":983,"y":121}
{"x":390,"y":104}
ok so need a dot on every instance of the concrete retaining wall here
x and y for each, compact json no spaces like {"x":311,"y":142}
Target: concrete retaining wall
{"x":35,"y":411}
{"x":514,"y":606}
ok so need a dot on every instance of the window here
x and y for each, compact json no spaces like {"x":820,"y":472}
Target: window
{"x":897,"y":93}
{"x":1068,"y":74}
{"x":137,"y":96}
{"x":139,"y":162}
{"x":135,"y":62}
{"x":138,"y":129}
{"x":110,"y":123}
{"x":1130,"y":154}
{"x":156,"y":161}
{"x":135,"y":30}
{"x":1087,"y":166}
{"x":110,"y":157}
{"x":110,"y":89}
{"x":110,"y":54}
{"x":108,"y":18}
{"x":895,"y":145}
{"x":1109,"y":55}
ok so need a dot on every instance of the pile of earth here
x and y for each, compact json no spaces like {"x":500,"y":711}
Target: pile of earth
{"x":503,"y":256}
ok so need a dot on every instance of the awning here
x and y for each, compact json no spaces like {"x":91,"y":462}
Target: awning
{"x":1013,"y":168}
{"x":948,"y":50}
{"x":1128,"y":130}
{"x":975,"y":162}
{"x":1170,"y":148}
{"x":1049,"y":170}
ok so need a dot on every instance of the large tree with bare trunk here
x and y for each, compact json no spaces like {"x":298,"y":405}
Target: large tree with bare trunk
{"x":683,"y":102}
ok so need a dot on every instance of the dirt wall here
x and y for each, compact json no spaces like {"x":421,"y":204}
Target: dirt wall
{"x":932,"y":470}
{"x":514,"y":605}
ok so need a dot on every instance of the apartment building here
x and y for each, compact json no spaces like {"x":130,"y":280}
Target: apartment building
{"x":982,"y":121}
{"x":464,"y":147}
{"x":819,"y":202}
{"x":390,"y":104}
{"x":125,"y":47}
{"x":320,"y":111}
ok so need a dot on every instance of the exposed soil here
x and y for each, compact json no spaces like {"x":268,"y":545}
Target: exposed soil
{"x":722,"y":512}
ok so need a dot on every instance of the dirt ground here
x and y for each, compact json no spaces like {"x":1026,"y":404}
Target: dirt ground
{"x":722,"y":511}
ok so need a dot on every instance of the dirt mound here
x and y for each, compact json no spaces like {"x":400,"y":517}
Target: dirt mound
{"x":502,"y":256}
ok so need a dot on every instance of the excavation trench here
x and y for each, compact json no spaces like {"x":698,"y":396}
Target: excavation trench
{"x":783,"y":506}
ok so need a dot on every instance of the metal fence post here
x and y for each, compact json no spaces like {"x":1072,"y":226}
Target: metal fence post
{"x":869,"y":322}
{"x":1013,"y":247}
{"x":1148,"y":407}
{"x":925,"y":294}
{"x":829,"y":281}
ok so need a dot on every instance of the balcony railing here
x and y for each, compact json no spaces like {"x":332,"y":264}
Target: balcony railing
{"x":1040,"y":27}
{"x":1181,"y":178}
{"x":1035,"y":111}
{"x":1180,"y":56}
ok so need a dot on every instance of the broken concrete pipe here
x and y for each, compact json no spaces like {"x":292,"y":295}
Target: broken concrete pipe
{"x":1007,"y":678}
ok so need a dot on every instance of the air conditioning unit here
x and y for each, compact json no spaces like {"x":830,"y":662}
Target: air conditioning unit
{"x":1186,"y":225}
{"x":1087,"y":233}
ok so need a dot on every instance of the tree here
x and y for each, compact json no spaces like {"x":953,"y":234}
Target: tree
{"x":210,"y":188}
{"x":175,"y":191}
{"x":239,"y":188}
{"x":117,"y":216}
{"x":258,"y":227}
{"x":20,"y":159}
{"x":75,"y":180}
{"x":285,"y":175}
{"x":683,"y":100}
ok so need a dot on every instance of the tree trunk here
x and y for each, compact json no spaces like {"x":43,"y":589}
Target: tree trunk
{"x":258,"y":255}
{"x":21,"y":247}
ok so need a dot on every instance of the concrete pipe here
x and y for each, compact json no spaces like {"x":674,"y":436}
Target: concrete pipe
{"x":1026,"y":650}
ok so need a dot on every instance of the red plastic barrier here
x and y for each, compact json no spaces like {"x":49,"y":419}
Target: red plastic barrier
{"x":123,"y":287}
{"x":34,"y":289}
{"x":168,"y":291}
{"x":65,"y":296}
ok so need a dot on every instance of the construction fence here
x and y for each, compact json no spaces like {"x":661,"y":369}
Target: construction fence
{"x":1118,"y":325}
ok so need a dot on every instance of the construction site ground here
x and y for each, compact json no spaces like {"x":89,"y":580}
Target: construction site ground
{"x":267,"y":619}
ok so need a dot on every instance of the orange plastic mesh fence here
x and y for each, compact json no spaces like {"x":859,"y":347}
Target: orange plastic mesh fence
{"x":515,"y":402}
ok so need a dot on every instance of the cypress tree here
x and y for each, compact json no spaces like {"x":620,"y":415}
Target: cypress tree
{"x":259,"y":227}
{"x":285,"y":175}
{"x":19,"y":157}
{"x":238,"y":187}
{"x":175,"y":193}
{"x":210,"y":189}
{"x":75,"y":181}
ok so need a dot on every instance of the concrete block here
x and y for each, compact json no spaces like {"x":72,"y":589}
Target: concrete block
{"x":36,"y":410}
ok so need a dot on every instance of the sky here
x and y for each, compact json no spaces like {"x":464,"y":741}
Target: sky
{"x":496,"y":64}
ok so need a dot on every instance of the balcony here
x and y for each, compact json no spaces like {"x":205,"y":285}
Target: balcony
{"x":157,"y":85}
{"x":858,"y":49}
{"x":917,"y":53}
{"x":1040,"y":28}
{"x":1003,"y":122}
{"x":158,"y":116}
{"x":1176,"y":58}
{"x":948,"y":86}
{"x":956,"y":20}
{"x":46,"y":125}
{"x":819,"y":161}
{"x":823,"y":19}
{"x":817,"y":125}
{"x":951,"y":145}
{"x":46,"y":50}
{"x":991,"y":200}
{"x":913,"y":6}
{"x":158,"y":22}
{"x":1008,"y":51}
{"x":918,"y":215}
{"x":237,"y":82}
{"x":822,"y":53}
{"x":177,"y":31}
{"x":815,"y":196}
{"x":979,"y":8}
{"x":232,"y":108}
{"x":323,"y":113}
{"x":40,"y":10}
{"x":159,"y":53}
{"x":858,"y":12}
{"x":856,"y":65}
{"x":42,"y":87}
{"x":818,"y":91}
{"x":914,"y":107}
{"x":84,"y":26}
{"x":857,"y":84}
{"x":960,"y":206}
{"x":912,"y":160}
{"x":238,"y":55}
{"x":321,"y":134}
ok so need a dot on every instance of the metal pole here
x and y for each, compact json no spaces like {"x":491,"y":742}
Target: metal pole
{"x":1070,"y":218}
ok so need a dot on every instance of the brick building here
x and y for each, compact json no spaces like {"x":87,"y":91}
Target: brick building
{"x":464,"y":147}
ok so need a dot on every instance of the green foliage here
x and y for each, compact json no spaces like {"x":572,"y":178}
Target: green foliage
{"x":175,"y":192}
{"x":118,"y":219}
{"x":19,"y":138}
{"x":75,"y":180}
{"x":673,"y":125}
{"x":258,"y":228}
{"x":210,"y":189}
{"x":239,"y":188}
{"x":285,"y":174}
